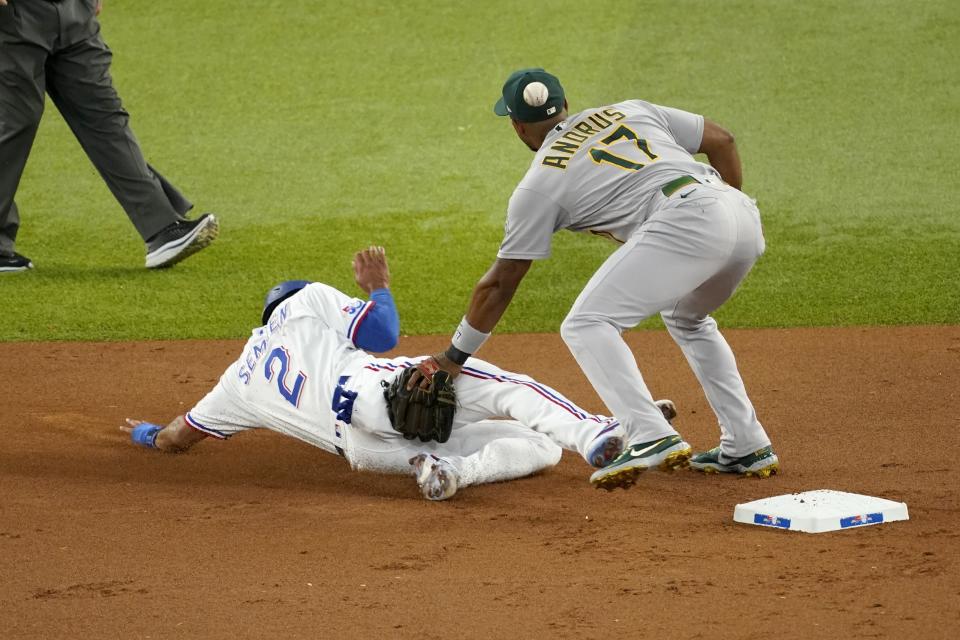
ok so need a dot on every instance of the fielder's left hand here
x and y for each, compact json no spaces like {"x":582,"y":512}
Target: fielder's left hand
{"x":429,"y":366}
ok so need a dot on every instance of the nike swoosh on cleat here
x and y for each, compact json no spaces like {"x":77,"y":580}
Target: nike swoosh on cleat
{"x":637,"y":454}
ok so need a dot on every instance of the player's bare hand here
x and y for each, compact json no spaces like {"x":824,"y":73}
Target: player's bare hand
{"x":133,"y":424}
{"x":3,"y":3}
{"x":370,"y":268}
{"x":423,"y":376}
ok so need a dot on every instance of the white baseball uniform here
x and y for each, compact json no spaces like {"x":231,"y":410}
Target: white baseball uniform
{"x":610,"y":171}
{"x":302,"y":375}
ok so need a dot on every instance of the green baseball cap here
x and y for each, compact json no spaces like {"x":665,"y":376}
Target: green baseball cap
{"x":530,"y":95}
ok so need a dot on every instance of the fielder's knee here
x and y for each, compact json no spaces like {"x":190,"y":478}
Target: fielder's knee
{"x":575,"y":327}
{"x":683,"y":327}
{"x":571,"y":329}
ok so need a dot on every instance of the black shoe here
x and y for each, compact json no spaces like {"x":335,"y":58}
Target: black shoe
{"x":181,"y":240}
{"x":14,"y":262}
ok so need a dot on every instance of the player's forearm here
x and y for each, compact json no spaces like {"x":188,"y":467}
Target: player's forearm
{"x":726,"y":161}
{"x":379,"y":329}
{"x":720,"y":148}
{"x":488,"y":304}
{"x":490,"y":300}
{"x":493,"y":293}
{"x":178,"y":436}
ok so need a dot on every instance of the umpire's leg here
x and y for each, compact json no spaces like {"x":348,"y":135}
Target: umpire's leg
{"x":79,"y":82}
{"x":22,"y":56}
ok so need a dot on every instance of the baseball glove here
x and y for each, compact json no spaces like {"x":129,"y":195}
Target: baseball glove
{"x":418,"y":413}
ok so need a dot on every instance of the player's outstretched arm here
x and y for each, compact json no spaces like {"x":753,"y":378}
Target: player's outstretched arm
{"x":721,"y":149}
{"x":491,"y":297}
{"x":176,"y":437}
{"x":494,"y":291}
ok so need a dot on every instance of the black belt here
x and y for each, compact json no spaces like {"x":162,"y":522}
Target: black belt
{"x":676,"y":184}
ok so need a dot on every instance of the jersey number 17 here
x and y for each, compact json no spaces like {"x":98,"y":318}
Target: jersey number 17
{"x":622,"y":132}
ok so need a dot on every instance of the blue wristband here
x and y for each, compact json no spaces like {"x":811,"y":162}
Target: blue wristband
{"x":145,"y":434}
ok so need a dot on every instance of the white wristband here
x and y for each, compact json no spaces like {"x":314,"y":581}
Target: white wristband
{"x":468,"y":339}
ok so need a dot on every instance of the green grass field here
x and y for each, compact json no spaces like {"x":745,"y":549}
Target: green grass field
{"x":315,"y":128}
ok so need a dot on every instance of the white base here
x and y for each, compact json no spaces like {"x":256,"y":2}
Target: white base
{"x":818,"y":511}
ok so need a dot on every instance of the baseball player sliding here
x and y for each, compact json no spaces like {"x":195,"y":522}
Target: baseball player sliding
{"x":688,"y":237}
{"x":305,"y":373}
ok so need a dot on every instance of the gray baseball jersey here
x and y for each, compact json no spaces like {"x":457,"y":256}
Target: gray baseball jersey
{"x":682,"y":254}
{"x":587,"y":174}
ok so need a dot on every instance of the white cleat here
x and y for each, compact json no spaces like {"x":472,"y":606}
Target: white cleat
{"x":436,"y":477}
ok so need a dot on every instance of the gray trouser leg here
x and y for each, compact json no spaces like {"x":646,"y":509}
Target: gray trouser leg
{"x":706,"y":350}
{"x":78,"y":81}
{"x":21,"y":106}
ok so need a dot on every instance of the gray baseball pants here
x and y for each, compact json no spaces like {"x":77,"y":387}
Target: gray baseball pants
{"x":55,"y":47}
{"x":684,"y":262}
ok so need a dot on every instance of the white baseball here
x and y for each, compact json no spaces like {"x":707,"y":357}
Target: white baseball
{"x":535,"y":94}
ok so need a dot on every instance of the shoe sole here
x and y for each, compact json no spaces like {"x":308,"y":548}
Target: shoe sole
{"x":627,"y":476}
{"x":22,"y":267}
{"x":441,"y":484}
{"x":763,"y":472}
{"x":611,"y":449}
{"x":199,"y":238}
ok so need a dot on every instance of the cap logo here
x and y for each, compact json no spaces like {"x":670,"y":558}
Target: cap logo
{"x":551,"y":111}
{"x":536,"y":94}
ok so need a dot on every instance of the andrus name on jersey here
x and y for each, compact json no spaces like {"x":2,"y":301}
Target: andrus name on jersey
{"x":252,"y":356}
{"x":571,"y":141}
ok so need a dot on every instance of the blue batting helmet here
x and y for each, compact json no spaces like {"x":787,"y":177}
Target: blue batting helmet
{"x":278,"y":294}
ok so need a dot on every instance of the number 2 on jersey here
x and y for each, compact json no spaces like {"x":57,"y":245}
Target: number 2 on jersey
{"x":602,"y":155}
{"x":292,"y":395}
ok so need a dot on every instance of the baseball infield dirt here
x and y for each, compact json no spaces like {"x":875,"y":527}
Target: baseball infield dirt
{"x":264,"y":536}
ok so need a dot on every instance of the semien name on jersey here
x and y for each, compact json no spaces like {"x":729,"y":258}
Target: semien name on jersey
{"x":252,"y":357}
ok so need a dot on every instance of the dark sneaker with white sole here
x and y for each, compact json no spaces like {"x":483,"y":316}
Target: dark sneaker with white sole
{"x":181,"y":240}
{"x":665,"y":454}
{"x":12,"y":262}
{"x":762,"y":463}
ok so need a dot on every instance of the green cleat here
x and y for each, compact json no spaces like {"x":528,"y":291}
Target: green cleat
{"x":666,"y":454}
{"x":762,"y":463}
